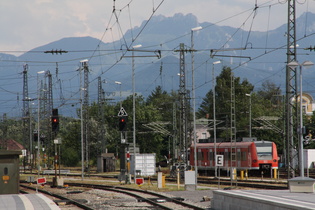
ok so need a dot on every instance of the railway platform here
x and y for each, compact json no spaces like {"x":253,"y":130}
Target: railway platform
{"x":261,"y":200}
{"x":26,"y":201}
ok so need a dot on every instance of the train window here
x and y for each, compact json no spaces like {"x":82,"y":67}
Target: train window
{"x":211,"y":155}
{"x":227,"y":156}
{"x":264,"y":150}
{"x":238,"y":157}
{"x":199,"y":153}
{"x":243,"y":156}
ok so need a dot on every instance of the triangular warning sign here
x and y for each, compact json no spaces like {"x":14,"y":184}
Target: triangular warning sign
{"x":122,"y":112}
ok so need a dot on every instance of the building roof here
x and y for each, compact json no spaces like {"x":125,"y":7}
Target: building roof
{"x":13,"y":145}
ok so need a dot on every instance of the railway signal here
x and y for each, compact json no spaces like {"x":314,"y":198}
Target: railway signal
{"x":54,"y":120}
{"x":35,"y":136}
{"x":122,"y":123}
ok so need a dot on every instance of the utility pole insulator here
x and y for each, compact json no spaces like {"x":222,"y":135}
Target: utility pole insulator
{"x":56,"y":52}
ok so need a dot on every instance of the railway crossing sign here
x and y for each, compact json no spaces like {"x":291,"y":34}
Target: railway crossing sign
{"x":219,"y":159}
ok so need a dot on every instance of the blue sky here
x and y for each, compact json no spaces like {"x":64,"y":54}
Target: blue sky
{"x":32,"y":23}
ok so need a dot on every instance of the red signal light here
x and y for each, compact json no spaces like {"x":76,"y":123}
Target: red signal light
{"x":122,"y":123}
{"x":55,"y":123}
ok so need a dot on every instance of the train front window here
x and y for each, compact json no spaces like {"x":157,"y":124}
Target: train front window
{"x":264,"y":151}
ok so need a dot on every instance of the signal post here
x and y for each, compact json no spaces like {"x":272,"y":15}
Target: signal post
{"x":54,"y":130}
{"x":124,"y":156}
{"x":219,"y":162}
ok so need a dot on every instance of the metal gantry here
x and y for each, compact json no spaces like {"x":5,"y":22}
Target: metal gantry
{"x":183,"y":104}
{"x":291,"y":89}
{"x":233,"y":130}
{"x":101,"y":120}
{"x":45,"y":112}
{"x":175,"y":151}
{"x":84,"y":115}
{"x":26,"y":114}
{"x":48,"y":113}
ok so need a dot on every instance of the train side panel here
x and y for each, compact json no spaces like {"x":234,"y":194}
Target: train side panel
{"x":260,"y":155}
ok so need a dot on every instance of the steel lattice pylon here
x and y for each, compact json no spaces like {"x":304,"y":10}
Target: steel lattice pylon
{"x":101,"y":100}
{"x":233,"y":132}
{"x":183,"y":103}
{"x":291,"y":89}
{"x":26,"y":113}
{"x":85,"y":115}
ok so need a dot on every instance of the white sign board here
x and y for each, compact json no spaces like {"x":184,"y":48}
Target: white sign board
{"x":24,"y":152}
{"x":219,"y":160}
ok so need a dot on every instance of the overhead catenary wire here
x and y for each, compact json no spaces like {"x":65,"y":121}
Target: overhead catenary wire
{"x":116,"y":63}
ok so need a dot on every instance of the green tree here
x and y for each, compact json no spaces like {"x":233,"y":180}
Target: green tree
{"x":70,"y":133}
{"x":112,"y":135}
{"x":164,"y":104}
{"x":269,"y":102}
{"x":146,"y":112}
{"x":223,"y":102}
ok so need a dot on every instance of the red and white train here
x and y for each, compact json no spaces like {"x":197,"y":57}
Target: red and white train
{"x":256,"y":155}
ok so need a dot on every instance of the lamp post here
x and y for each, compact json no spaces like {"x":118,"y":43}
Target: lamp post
{"x":250,"y":114}
{"x":38,"y":121}
{"x":194,"y":99}
{"x":119,"y":83}
{"x":134,"y":109}
{"x":293,"y":65}
{"x":214,"y":118}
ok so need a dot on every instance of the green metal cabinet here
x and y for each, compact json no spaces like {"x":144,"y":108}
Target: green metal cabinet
{"x":9,"y":172}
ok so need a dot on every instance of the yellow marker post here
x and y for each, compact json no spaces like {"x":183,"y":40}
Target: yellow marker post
{"x":275,"y":173}
{"x":242,"y":174}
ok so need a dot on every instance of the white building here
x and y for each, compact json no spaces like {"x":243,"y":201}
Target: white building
{"x":202,"y":129}
{"x":308,"y":103}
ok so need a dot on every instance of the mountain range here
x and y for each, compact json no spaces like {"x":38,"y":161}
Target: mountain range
{"x":253,"y":55}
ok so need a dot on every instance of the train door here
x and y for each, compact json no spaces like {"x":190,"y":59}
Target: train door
{"x":204,"y":155}
{"x":238,"y":157}
{"x":226,"y":157}
{"x":249,"y":157}
{"x":210,"y":158}
{"x":199,"y":157}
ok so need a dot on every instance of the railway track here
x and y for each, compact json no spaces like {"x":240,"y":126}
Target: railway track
{"x":155,"y":199}
{"x":140,"y":197}
{"x":251,"y":183}
{"x":57,"y":198}
{"x":224,"y":181}
{"x":100,"y":196}
{"x":256,"y":184}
